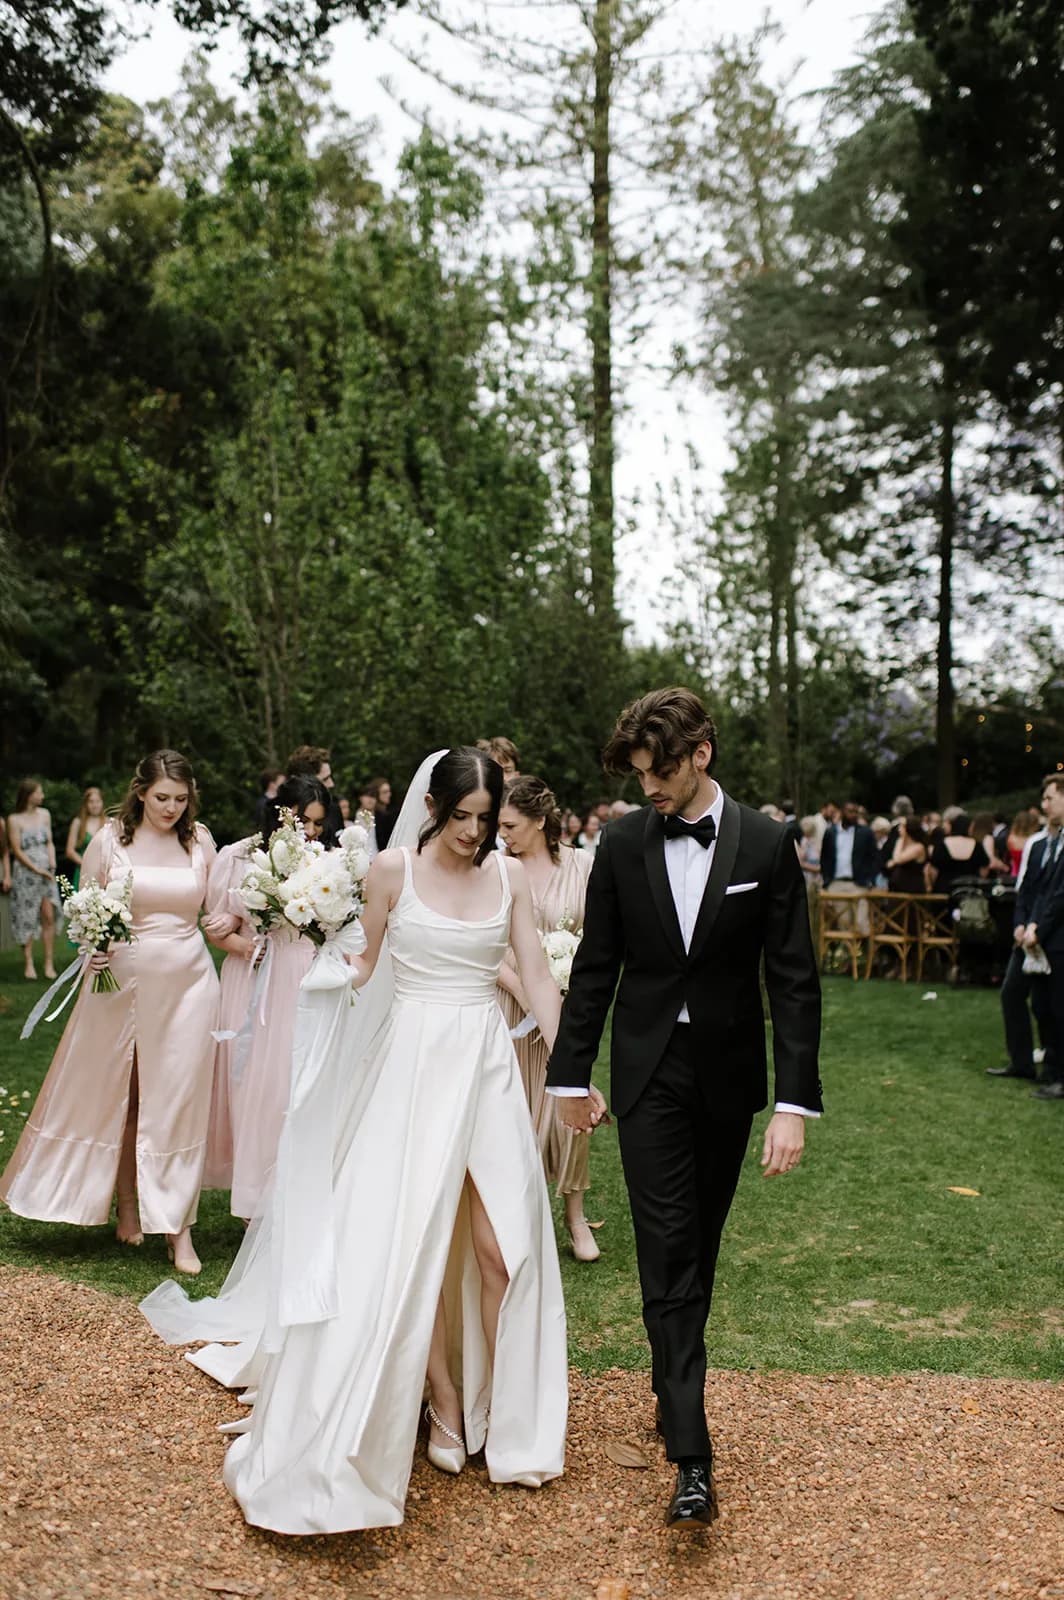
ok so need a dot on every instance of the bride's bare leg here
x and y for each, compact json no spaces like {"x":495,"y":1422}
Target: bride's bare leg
{"x":493,"y":1274}
{"x":128,"y":1229}
{"x":445,"y":1400}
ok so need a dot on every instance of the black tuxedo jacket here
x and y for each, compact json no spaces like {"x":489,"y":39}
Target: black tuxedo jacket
{"x":631,"y":931}
{"x":1041,"y":898}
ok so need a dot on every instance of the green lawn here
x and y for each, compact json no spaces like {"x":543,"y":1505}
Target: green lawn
{"x":863,"y":1260}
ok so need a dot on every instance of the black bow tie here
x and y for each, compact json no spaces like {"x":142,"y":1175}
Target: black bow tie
{"x":705,"y":830}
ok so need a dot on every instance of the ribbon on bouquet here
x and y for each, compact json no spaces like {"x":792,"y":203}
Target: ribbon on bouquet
{"x":257,"y":1002}
{"x":527,"y":1025}
{"x":69,"y":975}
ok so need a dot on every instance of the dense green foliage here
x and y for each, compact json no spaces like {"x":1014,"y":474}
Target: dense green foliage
{"x":290,"y":453}
{"x":864,"y":1260}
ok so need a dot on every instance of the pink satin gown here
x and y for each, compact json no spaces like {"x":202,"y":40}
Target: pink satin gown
{"x":65,"y":1164}
{"x":253,"y":1072}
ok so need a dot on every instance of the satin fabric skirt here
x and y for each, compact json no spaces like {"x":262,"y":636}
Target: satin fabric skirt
{"x":66,"y":1162}
{"x":565,"y":1154}
{"x":329,"y":1444}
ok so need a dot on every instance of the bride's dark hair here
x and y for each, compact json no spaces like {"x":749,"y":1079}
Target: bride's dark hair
{"x":454,"y":776}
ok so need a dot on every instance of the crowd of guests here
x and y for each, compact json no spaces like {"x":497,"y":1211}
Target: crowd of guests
{"x":192,"y":1067}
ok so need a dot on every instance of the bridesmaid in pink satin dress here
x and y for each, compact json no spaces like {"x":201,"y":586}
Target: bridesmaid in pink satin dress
{"x":252,"y":1072}
{"x":124,"y":1107}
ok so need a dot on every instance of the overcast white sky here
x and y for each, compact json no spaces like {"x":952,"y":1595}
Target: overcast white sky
{"x":819,"y":37}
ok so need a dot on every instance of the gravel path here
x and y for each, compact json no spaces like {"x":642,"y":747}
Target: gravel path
{"x":918,"y":1488}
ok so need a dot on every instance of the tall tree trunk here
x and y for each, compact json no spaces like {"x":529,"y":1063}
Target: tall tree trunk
{"x":945,"y":729}
{"x":603,"y":562}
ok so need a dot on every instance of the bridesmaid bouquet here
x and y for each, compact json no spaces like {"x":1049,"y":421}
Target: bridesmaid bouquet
{"x":298,"y":883}
{"x":97,"y":918}
{"x":560,"y":946}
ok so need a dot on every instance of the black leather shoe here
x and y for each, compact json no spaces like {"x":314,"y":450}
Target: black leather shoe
{"x":1010,"y":1072}
{"x":694,"y":1502}
{"x":1051,"y":1091}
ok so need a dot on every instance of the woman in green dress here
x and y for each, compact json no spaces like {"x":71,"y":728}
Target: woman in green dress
{"x":84,"y":828}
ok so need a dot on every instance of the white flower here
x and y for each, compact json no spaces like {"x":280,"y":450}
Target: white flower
{"x":299,"y":913}
{"x":354,"y":837}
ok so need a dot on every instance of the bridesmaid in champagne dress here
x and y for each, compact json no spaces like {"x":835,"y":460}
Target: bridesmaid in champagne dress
{"x":260,"y":991}
{"x":531,"y":825}
{"x":125,"y":1104}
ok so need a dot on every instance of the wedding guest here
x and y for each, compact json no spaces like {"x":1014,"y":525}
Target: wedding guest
{"x":883,"y":835}
{"x":773,"y":811}
{"x":573,"y":828}
{"x":268,"y":785}
{"x":84,"y":828}
{"x":825,"y":817}
{"x":504,"y":751}
{"x":590,"y":835}
{"x":908,"y":857}
{"x":383,"y":811}
{"x":1040,"y":913}
{"x":6,"y":937}
{"x":956,"y":854}
{"x":314,"y":761}
{"x":1023,"y":991}
{"x":252,"y":1071}
{"x":35,"y":902}
{"x":124,"y":1107}
{"x":982,"y":830}
{"x":344,"y":806}
{"x":1022,"y":829}
{"x":530,"y":825}
{"x":849,"y":859}
{"x":809,"y":853}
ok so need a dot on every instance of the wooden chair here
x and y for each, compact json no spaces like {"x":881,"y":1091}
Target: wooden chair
{"x":838,"y":926}
{"x":892,"y":926}
{"x":934,"y":930}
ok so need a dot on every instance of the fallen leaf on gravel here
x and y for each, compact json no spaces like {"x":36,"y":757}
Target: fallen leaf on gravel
{"x":232,"y":1586}
{"x":953,"y":1189}
{"x":971,"y":1407}
{"x":625,"y":1454}
{"x":613,"y":1589}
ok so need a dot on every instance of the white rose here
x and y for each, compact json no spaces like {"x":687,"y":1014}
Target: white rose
{"x":299,"y":913}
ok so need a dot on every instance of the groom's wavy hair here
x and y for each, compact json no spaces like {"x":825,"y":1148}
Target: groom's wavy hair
{"x":454,"y":776}
{"x":669,"y":723}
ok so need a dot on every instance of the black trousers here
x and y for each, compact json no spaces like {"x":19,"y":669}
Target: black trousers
{"x":1019,"y":987}
{"x":681,"y":1164}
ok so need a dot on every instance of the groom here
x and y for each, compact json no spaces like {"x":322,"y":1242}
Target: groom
{"x":686,"y":897}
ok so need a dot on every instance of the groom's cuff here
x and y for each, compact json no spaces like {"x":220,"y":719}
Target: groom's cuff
{"x":566,"y":1090}
{"x":796,"y":1111}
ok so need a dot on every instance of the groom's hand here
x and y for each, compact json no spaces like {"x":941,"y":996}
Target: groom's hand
{"x":784,"y":1142}
{"x":582,"y":1113}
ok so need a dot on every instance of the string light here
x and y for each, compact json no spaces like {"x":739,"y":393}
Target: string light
{"x":980,"y":717}
{"x":964,"y":761}
{"x":1027,"y":749}
{"x":1028,"y":727}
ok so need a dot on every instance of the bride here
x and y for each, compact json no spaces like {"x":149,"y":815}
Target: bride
{"x":409,"y":1239}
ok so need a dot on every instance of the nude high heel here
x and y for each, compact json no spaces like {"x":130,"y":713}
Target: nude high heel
{"x":180,"y":1250}
{"x":582,"y":1241}
{"x":446,"y":1460}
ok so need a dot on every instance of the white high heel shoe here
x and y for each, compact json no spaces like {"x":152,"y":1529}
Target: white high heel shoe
{"x":446,"y":1460}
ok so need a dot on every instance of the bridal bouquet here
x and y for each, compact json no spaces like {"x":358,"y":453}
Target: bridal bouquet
{"x":295,"y":881}
{"x":97,"y":918}
{"x":560,"y":946}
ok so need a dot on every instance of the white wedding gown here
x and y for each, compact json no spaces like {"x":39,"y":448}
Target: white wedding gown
{"x":329,"y":1444}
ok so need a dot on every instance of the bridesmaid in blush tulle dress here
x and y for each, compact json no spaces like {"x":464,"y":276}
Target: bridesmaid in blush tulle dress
{"x":125,"y":1104}
{"x":531,"y":825}
{"x":252,"y":1070}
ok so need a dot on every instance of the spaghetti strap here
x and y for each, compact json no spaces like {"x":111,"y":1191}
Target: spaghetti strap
{"x":507,"y":893}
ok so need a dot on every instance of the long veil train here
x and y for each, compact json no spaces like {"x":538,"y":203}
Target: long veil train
{"x":285,"y":1272}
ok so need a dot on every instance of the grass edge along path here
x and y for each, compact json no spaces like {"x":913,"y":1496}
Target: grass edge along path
{"x":868,"y":1259}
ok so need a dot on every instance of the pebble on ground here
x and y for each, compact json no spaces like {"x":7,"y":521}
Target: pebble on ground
{"x":848,"y":1488}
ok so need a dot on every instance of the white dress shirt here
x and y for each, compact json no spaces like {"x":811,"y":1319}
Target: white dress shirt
{"x":688,"y":863}
{"x":844,"y":838}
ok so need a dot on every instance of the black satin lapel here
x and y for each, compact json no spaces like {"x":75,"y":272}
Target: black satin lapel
{"x":724,"y":854}
{"x":659,"y":882}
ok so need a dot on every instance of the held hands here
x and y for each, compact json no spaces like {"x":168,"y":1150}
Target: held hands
{"x":582,"y":1113}
{"x":784,"y":1142}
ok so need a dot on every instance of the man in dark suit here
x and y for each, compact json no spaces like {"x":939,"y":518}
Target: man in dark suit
{"x":850,"y":860}
{"x":1040,"y":905}
{"x":685,"y":898}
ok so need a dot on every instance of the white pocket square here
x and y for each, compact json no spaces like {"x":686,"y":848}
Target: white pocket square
{"x":740,"y":888}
